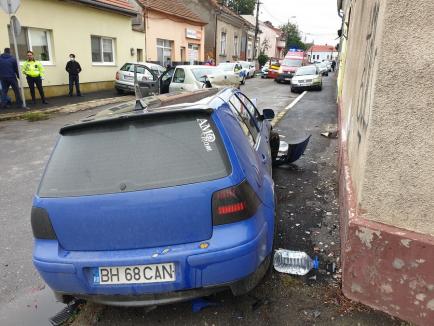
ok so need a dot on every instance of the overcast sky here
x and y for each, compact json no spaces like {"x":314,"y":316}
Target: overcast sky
{"x":317,"y":19}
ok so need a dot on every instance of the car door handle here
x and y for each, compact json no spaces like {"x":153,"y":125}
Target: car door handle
{"x":264,"y":158}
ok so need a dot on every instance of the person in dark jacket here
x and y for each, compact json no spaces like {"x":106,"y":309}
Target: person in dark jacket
{"x":73,"y":68}
{"x":8,"y":77}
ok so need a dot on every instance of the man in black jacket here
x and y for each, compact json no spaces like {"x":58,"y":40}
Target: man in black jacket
{"x":8,"y":78}
{"x":73,"y":68}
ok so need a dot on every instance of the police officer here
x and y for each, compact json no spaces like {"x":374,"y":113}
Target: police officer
{"x":73,"y":68}
{"x":34,"y":74}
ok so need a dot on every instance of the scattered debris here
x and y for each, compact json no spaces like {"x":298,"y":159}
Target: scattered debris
{"x":66,"y":313}
{"x":200,"y":303}
{"x":330,"y":134}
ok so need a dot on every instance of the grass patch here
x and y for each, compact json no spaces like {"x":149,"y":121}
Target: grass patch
{"x":35,"y":116}
{"x":289,"y":281}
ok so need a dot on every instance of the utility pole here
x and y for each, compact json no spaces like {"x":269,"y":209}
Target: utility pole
{"x":255,"y":56}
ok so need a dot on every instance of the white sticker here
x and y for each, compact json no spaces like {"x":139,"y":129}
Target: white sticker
{"x":208,"y":135}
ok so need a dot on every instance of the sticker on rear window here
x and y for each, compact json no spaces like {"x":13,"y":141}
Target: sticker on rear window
{"x":208,"y":135}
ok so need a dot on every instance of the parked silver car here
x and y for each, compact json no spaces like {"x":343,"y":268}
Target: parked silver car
{"x":124,"y":82}
{"x":306,"y":78}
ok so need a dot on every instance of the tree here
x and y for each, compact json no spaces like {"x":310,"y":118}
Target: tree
{"x":292,"y":37}
{"x":241,"y":7}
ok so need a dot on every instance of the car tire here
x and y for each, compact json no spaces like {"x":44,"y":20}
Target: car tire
{"x":274,"y":145}
{"x":119,"y":91}
{"x":292,"y":90}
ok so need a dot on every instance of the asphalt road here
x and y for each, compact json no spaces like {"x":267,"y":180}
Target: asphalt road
{"x":307,"y":216}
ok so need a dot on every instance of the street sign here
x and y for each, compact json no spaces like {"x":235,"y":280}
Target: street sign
{"x":10,"y":6}
{"x":16,"y":24}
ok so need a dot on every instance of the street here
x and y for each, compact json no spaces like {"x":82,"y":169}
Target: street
{"x":307,"y":220}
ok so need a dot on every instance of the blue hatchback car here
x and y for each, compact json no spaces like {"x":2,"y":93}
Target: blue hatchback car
{"x":165,"y":202}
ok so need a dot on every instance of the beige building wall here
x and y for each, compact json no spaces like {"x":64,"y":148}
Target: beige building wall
{"x":388,"y":107}
{"x":71,"y":27}
{"x":231,"y":31}
{"x":162,"y":26}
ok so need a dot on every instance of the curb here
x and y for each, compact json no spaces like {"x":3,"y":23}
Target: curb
{"x":70,"y":108}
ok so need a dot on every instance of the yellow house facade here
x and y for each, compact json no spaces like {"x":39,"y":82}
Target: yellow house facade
{"x":99,"y":33}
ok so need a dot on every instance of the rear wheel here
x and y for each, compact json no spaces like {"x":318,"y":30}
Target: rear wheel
{"x":119,"y":91}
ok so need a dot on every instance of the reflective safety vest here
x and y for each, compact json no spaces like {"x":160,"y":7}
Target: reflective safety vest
{"x":33,"y":69}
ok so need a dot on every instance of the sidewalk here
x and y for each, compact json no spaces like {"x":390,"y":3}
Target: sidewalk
{"x":66,"y":104}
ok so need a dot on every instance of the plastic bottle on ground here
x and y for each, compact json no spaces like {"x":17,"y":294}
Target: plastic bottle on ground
{"x":294,"y":262}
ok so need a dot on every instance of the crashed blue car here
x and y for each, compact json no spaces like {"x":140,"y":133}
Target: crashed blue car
{"x":160,"y":202}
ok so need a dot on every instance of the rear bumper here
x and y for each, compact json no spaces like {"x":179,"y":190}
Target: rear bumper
{"x":235,"y":252}
{"x":124,"y":86}
{"x":284,"y":77}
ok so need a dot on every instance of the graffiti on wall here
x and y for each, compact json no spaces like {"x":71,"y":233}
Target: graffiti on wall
{"x":366,"y":88}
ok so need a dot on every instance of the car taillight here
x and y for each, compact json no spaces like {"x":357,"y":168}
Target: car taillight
{"x":234,"y":204}
{"x":41,"y":224}
{"x":117,"y":75}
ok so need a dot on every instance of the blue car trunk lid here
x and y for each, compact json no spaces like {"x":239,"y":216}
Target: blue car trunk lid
{"x":151,"y":218}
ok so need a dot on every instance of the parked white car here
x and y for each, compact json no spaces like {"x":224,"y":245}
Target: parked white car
{"x":124,"y":82}
{"x":249,"y":68}
{"x":235,"y":69}
{"x":188,"y":78}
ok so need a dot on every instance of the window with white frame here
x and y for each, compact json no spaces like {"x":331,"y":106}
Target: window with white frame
{"x":223,"y":43}
{"x":164,"y":51}
{"x":34,"y":39}
{"x":103,"y":50}
{"x":236,"y":46}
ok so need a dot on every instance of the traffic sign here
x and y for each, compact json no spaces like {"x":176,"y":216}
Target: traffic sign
{"x":10,"y":6}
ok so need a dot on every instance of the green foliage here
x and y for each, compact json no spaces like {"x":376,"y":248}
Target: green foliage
{"x":35,"y":116}
{"x":262,"y":59}
{"x":292,"y":37}
{"x":241,"y":7}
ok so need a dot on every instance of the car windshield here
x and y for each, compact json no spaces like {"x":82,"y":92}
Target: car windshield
{"x":226,"y":66}
{"x":120,"y":156}
{"x":200,"y":73}
{"x":292,"y":62}
{"x":310,"y":70}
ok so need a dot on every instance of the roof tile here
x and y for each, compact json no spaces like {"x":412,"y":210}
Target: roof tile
{"x":322,"y":48}
{"x":173,"y":7}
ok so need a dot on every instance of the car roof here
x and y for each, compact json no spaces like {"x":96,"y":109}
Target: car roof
{"x":148,"y":64}
{"x":195,"y":66}
{"x":177,"y":102}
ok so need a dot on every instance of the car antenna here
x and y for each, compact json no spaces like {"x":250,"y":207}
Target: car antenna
{"x":139,"y":104}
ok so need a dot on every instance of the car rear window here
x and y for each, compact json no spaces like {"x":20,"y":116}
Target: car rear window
{"x":123,"y":156}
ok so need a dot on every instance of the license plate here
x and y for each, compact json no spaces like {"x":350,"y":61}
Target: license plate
{"x":288,"y":79}
{"x":136,"y":274}
{"x":128,"y":77}
{"x":304,"y":84}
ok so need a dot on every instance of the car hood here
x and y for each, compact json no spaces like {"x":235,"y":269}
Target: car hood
{"x":304,"y":77}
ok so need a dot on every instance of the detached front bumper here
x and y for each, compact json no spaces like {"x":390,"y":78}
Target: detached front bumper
{"x":235,"y":252}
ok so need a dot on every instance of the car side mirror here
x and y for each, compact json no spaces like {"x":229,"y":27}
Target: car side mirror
{"x":268,"y":114}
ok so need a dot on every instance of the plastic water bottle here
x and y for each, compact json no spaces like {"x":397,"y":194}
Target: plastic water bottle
{"x":294,"y":262}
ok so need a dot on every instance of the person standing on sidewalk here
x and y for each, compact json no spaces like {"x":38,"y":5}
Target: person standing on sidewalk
{"x":34,"y":73}
{"x":8,"y":78}
{"x":73,"y":68}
